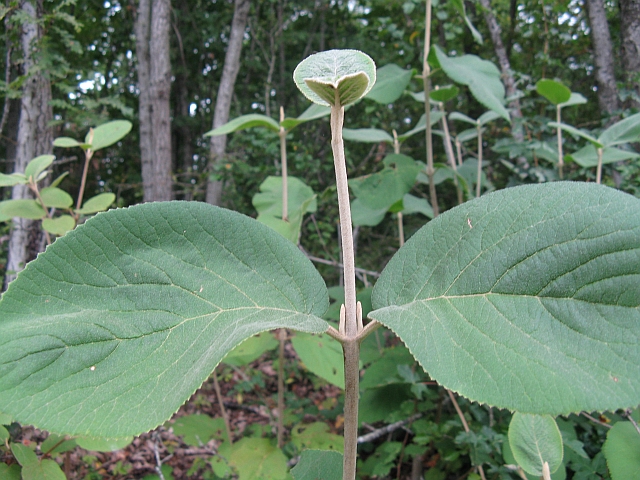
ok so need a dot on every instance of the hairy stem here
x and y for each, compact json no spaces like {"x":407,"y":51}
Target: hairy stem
{"x":559,"y":133}
{"x":426,"y":83}
{"x":283,"y":162}
{"x":350,"y":324}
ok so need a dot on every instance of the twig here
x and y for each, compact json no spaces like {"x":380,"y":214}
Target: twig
{"x":627,"y":414}
{"x":380,"y":432}
{"x":333,"y":263}
{"x":225,"y":415}
{"x":156,"y":453}
{"x":465,"y":425}
{"x":595,"y":420}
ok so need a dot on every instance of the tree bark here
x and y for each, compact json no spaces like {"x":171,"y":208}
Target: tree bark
{"x":154,"y":81}
{"x":35,"y":137}
{"x":225,"y":93}
{"x":603,"y":57}
{"x":630,"y":33}
{"x":505,"y":68}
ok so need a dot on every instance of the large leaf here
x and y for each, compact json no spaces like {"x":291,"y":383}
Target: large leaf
{"x":56,"y":198}
{"x":525,"y":298}
{"x":23,"y":207}
{"x":481,"y":76}
{"x":349,"y":72}
{"x":243,"y":122}
{"x":111,"y":329}
{"x":390,"y":84}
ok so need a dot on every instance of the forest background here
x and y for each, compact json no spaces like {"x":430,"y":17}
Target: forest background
{"x":178,"y":70}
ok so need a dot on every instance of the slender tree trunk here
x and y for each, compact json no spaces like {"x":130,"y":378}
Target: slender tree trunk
{"x":154,"y":81}
{"x":35,"y":137}
{"x":505,"y":68}
{"x":225,"y":93}
{"x":630,"y":33}
{"x":603,"y":56}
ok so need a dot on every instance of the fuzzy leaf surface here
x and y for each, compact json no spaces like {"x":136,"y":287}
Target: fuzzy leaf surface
{"x":111,"y":329}
{"x":524,"y":298}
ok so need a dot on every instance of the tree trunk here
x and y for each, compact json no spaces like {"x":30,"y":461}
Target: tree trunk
{"x":630,"y":33}
{"x":603,"y":57}
{"x":225,"y":93}
{"x":154,"y":81}
{"x":505,"y":68}
{"x":35,"y":138}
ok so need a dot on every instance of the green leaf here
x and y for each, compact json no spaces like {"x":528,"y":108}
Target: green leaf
{"x":14,"y":472}
{"x":462,"y":117}
{"x":24,"y":455}
{"x":481,"y":76}
{"x":38,"y":165}
{"x":553,"y":91}
{"x":24,"y":208}
{"x":384,"y":188}
{"x":198,"y":429}
{"x":366,"y":135}
{"x":444,"y":94}
{"x":112,"y":328}
{"x":99,"y":203}
{"x":416,"y":205}
{"x":251,"y":349}
{"x":56,"y":198}
{"x":13,"y":179}
{"x":245,"y":121}
{"x":316,"y":435}
{"x":59,"y":225}
{"x":4,"y":435}
{"x":269,"y":200}
{"x":487,"y":117}
{"x":390,"y":84}
{"x":43,"y":470}
{"x":258,"y":459}
{"x":624,"y":131}
{"x":524,"y":298}
{"x":322,"y":355}
{"x":94,"y":444}
{"x":459,"y":6}
{"x":361,"y":214}
{"x":579,"y":133}
{"x":575,"y":99}
{"x":107,"y":134}
{"x":318,"y":465}
{"x":622,"y":451}
{"x":66,"y":142}
{"x":350,"y":72}
{"x":587,"y":156}
{"x":421,"y":126}
{"x":534,"y":440}
{"x":314,"y":112}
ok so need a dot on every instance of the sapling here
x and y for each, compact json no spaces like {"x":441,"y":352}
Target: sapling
{"x":525,"y":299}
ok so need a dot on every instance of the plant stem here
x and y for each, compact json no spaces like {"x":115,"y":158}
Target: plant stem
{"x":282,"y":336}
{"x":87,"y":158}
{"x":350,"y":324}
{"x":559,"y":133}
{"x":479,"y":178}
{"x":283,"y":162}
{"x":599,"y":168}
{"x":223,"y":410}
{"x":426,"y":83}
